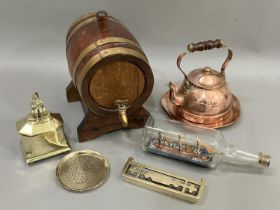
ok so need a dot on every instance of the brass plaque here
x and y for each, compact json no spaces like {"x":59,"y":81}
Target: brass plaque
{"x":160,"y":181}
{"x":82,"y":170}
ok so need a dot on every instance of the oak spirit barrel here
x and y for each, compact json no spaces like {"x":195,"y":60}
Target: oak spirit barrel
{"x":110,"y":72}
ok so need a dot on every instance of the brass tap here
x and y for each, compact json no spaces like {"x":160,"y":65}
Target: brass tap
{"x":121,"y":108}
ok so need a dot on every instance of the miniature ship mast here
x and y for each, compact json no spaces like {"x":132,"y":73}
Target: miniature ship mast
{"x":180,"y":143}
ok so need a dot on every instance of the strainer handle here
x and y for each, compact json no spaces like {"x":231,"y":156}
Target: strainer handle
{"x":202,"y":46}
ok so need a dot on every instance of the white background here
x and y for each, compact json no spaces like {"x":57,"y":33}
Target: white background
{"x":32,"y":58}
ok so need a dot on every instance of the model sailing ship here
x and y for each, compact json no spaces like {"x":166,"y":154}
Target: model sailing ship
{"x":194,"y":151}
{"x":202,"y":146}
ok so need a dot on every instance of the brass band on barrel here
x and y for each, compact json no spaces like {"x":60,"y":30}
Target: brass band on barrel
{"x":82,"y":18}
{"x":73,"y":29}
{"x":103,"y":54}
{"x":100,"y":42}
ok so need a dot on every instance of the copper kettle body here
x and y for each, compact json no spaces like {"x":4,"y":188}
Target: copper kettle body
{"x":204,"y":96}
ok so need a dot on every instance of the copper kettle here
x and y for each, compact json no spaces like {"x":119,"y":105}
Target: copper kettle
{"x":204,"y":96}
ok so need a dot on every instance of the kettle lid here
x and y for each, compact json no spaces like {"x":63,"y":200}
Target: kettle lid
{"x":206,"y":78}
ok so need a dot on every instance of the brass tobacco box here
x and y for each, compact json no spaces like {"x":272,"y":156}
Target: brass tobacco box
{"x":41,"y":132}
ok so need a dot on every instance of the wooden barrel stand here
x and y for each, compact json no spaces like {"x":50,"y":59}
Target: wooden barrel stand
{"x":94,"y":125}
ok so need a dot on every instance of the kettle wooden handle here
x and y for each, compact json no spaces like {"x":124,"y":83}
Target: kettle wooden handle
{"x":201,"y":46}
{"x":206,"y":45}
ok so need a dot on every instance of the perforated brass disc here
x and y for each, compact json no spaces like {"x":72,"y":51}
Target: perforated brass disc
{"x":82,"y":170}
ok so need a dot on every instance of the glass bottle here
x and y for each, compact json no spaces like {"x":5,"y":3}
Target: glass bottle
{"x":202,"y":146}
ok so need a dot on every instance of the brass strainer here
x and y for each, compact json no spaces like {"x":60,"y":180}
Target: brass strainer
{"x":82,"y":170}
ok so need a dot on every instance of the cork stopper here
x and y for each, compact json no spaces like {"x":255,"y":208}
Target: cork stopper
{"x":264,"y":160}
{"x":102,"y":15}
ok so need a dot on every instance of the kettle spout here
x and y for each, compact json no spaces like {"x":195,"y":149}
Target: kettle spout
{"x":174,"y":96}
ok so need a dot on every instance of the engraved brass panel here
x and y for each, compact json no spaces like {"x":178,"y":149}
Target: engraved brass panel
{"x":157,"y":180}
